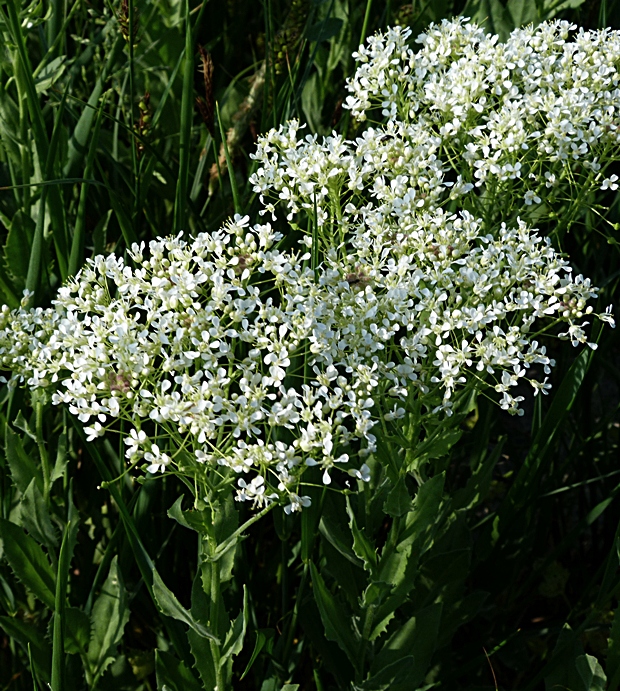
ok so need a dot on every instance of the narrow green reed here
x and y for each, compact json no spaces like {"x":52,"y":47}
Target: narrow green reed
{"x":186,"y":117}
{"x":76,"y":257}
{"x":231,"y":170}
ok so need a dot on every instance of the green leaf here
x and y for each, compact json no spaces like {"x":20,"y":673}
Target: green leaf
{"x":233,"y":642}
{"x":35,"y":518}
{"x":335,"y":620}
{"x":187,"y":111}
{"x":23,"y":468}
{"x":438,"y":445}
{"x":491,"y":15}
{"x":62,"y":577}
{"x":77,"y":143}
{"x":398,"y":502}
{"x":109,"y":616}
{"x":564,"y":674}
{"x":421,"y":523}
{"x":393,"y":677}
{"x":76,"y":256}
{"x":61,"y":458}
{"x":174,"y":674}
{"x":613,"y":652}
{"x":175,"y":512}
{"x":523,"y":12}
{"x":170,"y":606}
{"x":50,"y":74}
{"x":77,"y":631}
{"x":361,"y":544}
{"x":263,"y":637}
{"x":28,"y":635}
{"x":332,"y":527}
{"x":478,"y":485}
{"x":324,"y":30}
{"x":17,"y":248}
{"x":28,"y":562}
{"x":417,"y":638}
{"x":591,"y":673}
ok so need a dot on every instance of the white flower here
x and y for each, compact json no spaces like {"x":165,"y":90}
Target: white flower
{"x":610,"y":183}
{"x":540,"y":387}
{"x":531,"y":198}
{"x":608,"y":316}
{"x":362,"y":474}
{"x":158,"y":461}
{"x":297,"y":503}
{"x":94,"y":431}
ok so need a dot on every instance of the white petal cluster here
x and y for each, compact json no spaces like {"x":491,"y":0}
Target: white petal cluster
{"x":409,"y":284}
{"x":494,"y":125}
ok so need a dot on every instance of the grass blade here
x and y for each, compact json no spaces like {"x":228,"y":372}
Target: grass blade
{"x":231,"y":172}
{"x":77,"y":246}
{"x":187,"y":102}
{"x":62,"y":576}
{"x":77,"y":143}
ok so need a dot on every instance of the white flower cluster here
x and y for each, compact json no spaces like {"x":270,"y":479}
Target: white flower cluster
{"x":533,"y":113}
{"x":504,"y":128}
{"x":229,"y":355}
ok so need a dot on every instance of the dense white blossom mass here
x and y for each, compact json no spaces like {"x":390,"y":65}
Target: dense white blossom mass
{"x":417,"y":276}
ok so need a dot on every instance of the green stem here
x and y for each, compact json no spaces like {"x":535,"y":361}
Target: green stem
{"x":45,"y":463}
{"x":366,"y":19}
{"x":222,"y":548}
{"x":220,"y":682}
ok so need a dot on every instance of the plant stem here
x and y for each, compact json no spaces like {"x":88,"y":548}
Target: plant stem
{"x":222,"y":548}
{"x":220,"y":684}
{"x":43,"y":452}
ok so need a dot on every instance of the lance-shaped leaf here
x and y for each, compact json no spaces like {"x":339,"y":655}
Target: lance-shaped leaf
{"x":169,"y":605}
{"x":173,"y":675}
{"x":28,"y":562}
{"x":109,"y":616}
{"x":335,"y":619}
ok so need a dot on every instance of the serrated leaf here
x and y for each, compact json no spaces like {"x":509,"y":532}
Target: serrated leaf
{"x":35,"y":517}
{"x":564,"y":673}
{"x":438,"y":445}
{"x":171,"y":607}
{"x":61,"y":458}
{"x":21,"y":423}
{"x":398,"y":501}
{"x":17,"y":248}
{"x":362,"y":546}
{"x":263,"y":637}
{"x":416,"y":638}
{"x":174,"y":674}
{"x":233,"y":642}
{"x":333,"y":528}
{"x":77,"y":630}
{"x":420,"y":522}
{"x":28,"y":562}
{"x":335,"y":620}
{"x":23,"y":468}
{"x":109,"y":616}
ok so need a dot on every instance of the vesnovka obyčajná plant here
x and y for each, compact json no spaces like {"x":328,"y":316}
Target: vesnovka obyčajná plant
{"x":418,"y":275}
